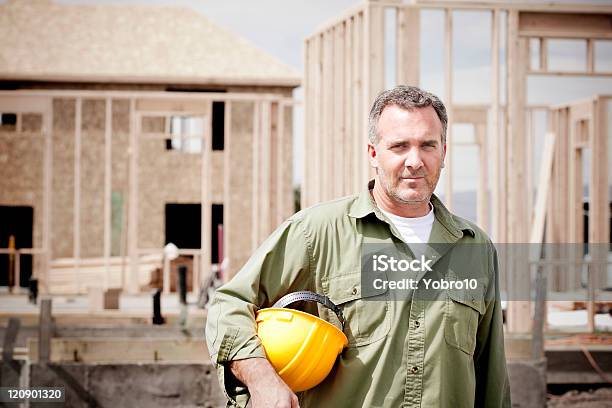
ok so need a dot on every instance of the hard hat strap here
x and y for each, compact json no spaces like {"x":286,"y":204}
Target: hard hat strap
{"x":305,"y":295}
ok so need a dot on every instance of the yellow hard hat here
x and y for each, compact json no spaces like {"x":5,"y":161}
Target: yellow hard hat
{"x":301,"y":347}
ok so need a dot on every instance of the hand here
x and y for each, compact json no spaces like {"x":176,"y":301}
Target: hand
{"x":267,"y":389}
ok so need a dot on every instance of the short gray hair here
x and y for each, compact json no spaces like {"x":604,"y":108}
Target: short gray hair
{"x":406,"y":97}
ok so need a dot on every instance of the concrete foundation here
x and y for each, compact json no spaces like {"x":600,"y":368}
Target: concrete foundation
{"x":527,"y":383}
{"x":130,"y":385}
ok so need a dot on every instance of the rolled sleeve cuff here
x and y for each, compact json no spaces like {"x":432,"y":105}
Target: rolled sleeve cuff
{"x":236,"y":345}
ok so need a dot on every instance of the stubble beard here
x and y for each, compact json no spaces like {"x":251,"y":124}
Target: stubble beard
{"x":394,"y":191}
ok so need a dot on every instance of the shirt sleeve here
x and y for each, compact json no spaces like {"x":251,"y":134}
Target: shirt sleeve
{"x":492,"y":385}
{"x":279,"y":266}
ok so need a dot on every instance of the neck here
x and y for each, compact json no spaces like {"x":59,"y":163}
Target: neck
{"x":407,"y":210}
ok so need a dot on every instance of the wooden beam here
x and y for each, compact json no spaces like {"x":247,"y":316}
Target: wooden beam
{"x":264,"y":160}
{"x":374,"y":69}
{"x":205,"y":197}
{"x":483,"y":180}
{"x":448,"y":92}
{"x":495,"y":135}
{"x":542,"y":192}
{"x":590,"y":65}
{"x":564,"y":25}
{"x":108,"y":129}
{"x":47,"y":131}
{"x":348,"y":109}
{"x":255,"y":174}
{"x":89,"y":350}
{"x":543,"y":54}
{"x":281,"y":167}
{"x":133,"y":214}
{"x":408,"y":45}
{"x":76,"y":231}
{"x":338,"y":106}
{"x":359,"y":143}
{"x":518,"y":286}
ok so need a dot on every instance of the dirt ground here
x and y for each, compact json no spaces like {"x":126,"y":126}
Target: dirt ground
{"x":601,"y":398}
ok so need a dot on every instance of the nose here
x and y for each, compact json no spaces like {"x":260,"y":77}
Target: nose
{"x":413,"y":159}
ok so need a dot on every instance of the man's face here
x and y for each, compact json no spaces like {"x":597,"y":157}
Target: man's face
{"x":409,"y":155}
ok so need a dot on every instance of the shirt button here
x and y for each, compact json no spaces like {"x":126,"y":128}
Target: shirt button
{"x":354,"y":292}
{"x":414,"y":369}
{"x":417,"y":323}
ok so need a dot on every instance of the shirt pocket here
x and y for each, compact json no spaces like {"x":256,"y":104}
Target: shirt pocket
{"x":367,"y":317}
{"x":462,"y":312}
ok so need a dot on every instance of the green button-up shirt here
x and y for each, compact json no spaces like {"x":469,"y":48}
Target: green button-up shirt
{"x":414,"y":353}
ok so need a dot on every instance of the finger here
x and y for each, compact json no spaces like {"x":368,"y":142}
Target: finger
{"x":295,"y":402}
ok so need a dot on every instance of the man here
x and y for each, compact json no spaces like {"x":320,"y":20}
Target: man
{"x":411,"y":353}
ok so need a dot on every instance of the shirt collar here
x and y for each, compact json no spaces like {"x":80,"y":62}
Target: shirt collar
{"x":365,"y":205}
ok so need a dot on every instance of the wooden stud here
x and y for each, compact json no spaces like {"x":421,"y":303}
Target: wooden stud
{"x":47,"y":130}
{"x":590,"y":63}
{"x":281,"y":167}
{"x":265,"y":177}
{"x":518,"y":52}
{"x":408,"y":45}
{"x":108,"y":128}
{"x":205,"y":198}
{"x":483,"y":187}
{"x":338,"y":109}
{"x":495,"y":135}
{"x":360,"y":163}
{"x":256,"y":165}
{"x":543,"y":55}
{"x":133,"y":213}
{"x":348,"y":109}
{"x":76,"y":243}
{"x":448,"y":70}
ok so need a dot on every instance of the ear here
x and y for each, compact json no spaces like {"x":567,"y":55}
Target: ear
{"x":443,"y":154}
{"x":372,"y":156}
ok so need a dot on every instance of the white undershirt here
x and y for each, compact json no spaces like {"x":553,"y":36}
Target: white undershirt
{"x":413,"y":230}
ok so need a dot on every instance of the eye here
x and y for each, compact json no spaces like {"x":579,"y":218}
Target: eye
{"x":429,"y":146}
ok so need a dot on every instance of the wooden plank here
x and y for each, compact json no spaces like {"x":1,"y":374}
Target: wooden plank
{"x":255,"y":175}
{"x":374,"y":68}
{"x":408,"y":45}
{"x":91,"y":350}
{"x":264,"y":160}
{"x":76,"y":231}
{"x":563,"y":24}
{"x":448,"y":93}
{"x":518,"y":287}
{"x":47,"y":130}
{"x":319,"y":122}
{"x":16,"y":102}
{"x":306,"y":187}
{"x":338,"y":109}
{"x":206,"y":196}
{"x":590,"y":66}
{"x":281,"y":167}
{"x":543,"y":54}
{"x":542,"y":192}
{"x":483,"y":180}
{"x":129,"y":281}
{"x":140,"y":96}
{"x":108,"y":128}
{"x":495,"y":135}
{"x":472,"y":115}
{"x":360,"y":163}
{"x":348,"y":110}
